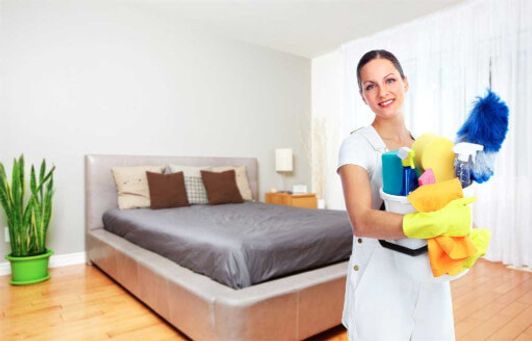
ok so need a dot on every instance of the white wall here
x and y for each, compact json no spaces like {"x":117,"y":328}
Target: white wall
{"x":108,"y":77}
{"x":327,"y":127}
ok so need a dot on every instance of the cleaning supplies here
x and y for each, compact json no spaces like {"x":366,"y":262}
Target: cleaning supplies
{"x":435,"y":152}
{"x":486,"y":125}
{"x":409,"y":182}
{"x":453,"y":220}
{"x":392,"y":170}
{"x":465,"y":158}
{"x":411,"y":256}
{"x":433,"y":197}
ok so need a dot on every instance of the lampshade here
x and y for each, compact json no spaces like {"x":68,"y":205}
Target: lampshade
{"x":284,"y":160}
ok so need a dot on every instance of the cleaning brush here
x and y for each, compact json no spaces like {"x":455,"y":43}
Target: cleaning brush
{"x":487,"y":125}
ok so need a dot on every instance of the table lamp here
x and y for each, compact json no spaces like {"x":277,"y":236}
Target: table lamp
{"x":284,"y":162}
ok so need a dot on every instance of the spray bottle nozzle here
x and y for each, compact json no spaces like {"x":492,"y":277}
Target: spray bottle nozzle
{"x":407,"y":157}
{"x":466,"y":149}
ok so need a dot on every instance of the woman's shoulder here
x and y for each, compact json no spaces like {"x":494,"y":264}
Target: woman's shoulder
{"x":362,"y":138}
{"x":359,"y":148}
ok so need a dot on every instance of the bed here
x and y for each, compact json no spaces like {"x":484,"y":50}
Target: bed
{"x":292,"y":307}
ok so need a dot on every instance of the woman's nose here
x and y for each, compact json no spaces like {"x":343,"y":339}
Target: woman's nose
{"x":383,"y":91}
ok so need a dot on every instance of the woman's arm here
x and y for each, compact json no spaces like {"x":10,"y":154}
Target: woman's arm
{"x":365,"y":221}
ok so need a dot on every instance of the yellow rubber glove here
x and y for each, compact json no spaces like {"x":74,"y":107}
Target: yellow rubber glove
{"x":453,"y":220}
{"x":481,"y":240}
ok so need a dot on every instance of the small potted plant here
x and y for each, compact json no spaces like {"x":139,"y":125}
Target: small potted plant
{"x":28,"y":215}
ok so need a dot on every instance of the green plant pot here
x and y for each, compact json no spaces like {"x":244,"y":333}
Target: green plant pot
{"x":29,"y":270}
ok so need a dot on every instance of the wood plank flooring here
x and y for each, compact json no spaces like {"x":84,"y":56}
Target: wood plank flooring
{"x":81,"y":303}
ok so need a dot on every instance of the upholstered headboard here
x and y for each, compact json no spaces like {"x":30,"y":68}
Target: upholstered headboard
{"x":100,"y":190}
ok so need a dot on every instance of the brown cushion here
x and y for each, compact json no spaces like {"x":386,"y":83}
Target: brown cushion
{"x":221,"y":187}
{"x":167,"y":190}
{"x":241,"y":179}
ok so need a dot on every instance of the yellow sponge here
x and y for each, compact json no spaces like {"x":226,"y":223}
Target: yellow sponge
{"x":435,"y":152}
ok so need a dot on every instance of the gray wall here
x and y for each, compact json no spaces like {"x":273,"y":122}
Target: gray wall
{"x":112,"y":78}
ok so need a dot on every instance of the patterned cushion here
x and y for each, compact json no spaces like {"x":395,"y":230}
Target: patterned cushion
{"x":196,"y":192}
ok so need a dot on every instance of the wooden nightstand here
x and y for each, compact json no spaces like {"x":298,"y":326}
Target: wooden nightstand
{"x":307,"y":200}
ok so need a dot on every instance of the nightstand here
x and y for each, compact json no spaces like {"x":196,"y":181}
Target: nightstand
{"x":307,"y":200}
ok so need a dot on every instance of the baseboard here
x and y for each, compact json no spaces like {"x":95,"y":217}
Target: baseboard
{"x":520,"y":268}
{"x":56,"y":261}
{"x":5,"y":269}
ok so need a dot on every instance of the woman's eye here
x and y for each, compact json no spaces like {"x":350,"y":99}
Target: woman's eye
{"x":369,"y":87}
{"x":390,"y":80}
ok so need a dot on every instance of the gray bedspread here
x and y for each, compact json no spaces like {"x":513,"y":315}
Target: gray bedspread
{"x":238,"y":244}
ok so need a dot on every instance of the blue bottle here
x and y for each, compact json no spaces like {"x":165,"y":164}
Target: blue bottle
{"x":392,"y":173}
{"x":409,"y":182}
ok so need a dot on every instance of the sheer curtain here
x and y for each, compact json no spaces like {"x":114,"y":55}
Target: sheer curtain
{"x":450,"y":58}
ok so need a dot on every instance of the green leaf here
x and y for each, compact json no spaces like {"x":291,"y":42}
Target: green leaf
{"x":48,"y":207}
{"x":17,"y":192}
{"x":5,"y":197}
{"x":33,"y":181}
{"x":42,"y":172}
{"x":46,"y":178}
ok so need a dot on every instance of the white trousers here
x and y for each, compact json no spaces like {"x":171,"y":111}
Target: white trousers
{"x":382,"y":303}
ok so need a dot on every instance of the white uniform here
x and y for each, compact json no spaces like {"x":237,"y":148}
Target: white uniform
{"x":381,"y":302}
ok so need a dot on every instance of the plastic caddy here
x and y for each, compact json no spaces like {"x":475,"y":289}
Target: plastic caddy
{"x":415,"y":261}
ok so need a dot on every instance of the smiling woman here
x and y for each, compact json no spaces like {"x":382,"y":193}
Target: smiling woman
{"x":381,"y":301}
{"x":382,"y":84}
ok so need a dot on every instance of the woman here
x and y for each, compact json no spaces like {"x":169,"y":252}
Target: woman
{"x":381,"y":302}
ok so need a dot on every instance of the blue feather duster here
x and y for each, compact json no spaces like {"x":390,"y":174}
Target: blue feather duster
{"x":487,"y":125}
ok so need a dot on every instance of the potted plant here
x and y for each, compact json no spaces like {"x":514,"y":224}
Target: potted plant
{"x":28,"y":215}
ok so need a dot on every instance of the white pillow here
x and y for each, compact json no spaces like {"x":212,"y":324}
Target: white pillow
{"x":132,"y":185}
{"x":241,"y":179}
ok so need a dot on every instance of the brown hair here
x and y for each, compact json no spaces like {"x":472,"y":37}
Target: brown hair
{"x":375,"y":54}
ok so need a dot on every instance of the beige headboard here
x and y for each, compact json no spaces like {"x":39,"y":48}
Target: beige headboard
{"x":100,"y":190}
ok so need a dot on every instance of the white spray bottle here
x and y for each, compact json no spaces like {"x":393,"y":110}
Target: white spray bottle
{"x":463,"y":163}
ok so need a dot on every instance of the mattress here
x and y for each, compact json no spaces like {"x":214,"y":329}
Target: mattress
{"x":238,"y":244}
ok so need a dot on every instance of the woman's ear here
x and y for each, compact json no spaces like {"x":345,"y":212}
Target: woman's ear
{"x":407,"y":85}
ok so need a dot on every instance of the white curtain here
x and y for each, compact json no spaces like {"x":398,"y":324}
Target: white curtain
{"x":448,"y":58}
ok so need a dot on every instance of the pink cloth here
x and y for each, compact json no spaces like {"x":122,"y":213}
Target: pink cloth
{"x":427,"y":178}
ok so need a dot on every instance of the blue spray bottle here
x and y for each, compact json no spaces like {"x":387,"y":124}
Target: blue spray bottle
{"x":409,"y":170}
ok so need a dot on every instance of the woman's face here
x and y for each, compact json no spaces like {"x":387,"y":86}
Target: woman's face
{"x":383,"y":89}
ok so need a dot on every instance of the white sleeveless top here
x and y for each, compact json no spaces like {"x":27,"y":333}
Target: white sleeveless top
{"x":364,"y":148}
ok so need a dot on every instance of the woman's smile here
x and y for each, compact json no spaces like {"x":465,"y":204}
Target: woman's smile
{"x":386,"y":103}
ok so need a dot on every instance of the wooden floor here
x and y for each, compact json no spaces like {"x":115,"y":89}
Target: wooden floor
{"x":81,"y":303}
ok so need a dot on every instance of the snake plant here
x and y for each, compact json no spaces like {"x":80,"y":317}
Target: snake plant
{"x":28,"y":214}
